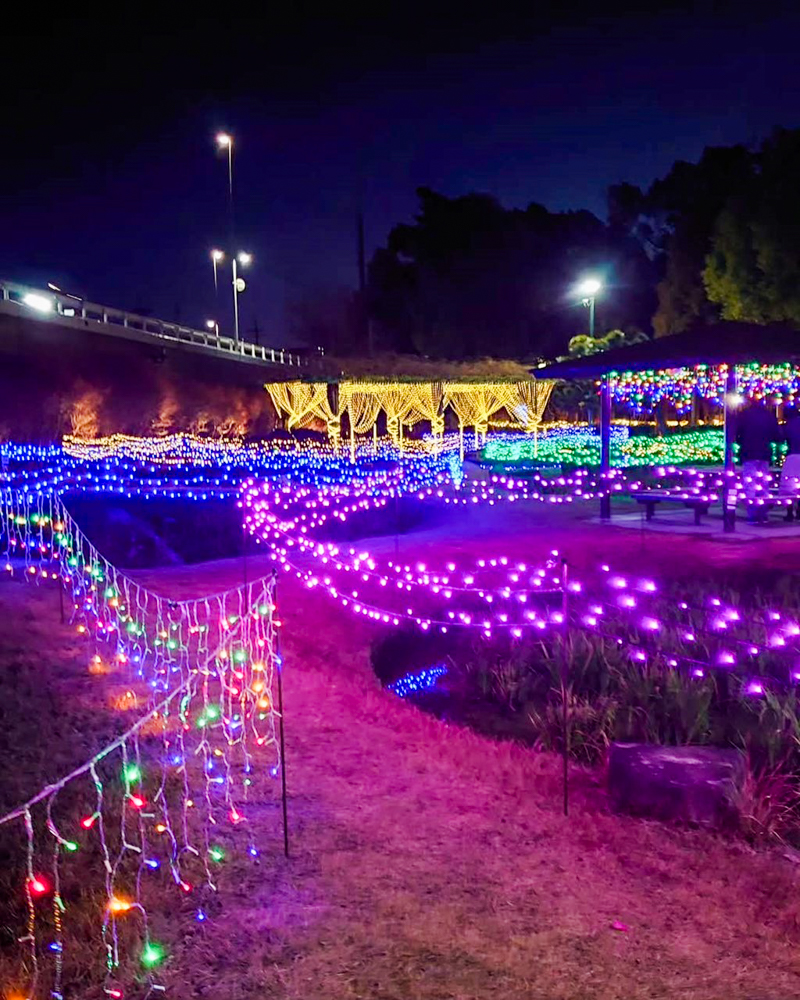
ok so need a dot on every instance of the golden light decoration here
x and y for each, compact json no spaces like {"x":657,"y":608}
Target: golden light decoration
{"x":407,"y":403}
{"x":305,"y":402}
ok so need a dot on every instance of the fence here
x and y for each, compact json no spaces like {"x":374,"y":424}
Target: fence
{"x":118,"y":322}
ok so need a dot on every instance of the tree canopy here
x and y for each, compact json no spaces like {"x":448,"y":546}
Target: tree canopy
{"x":583,"y":344}
{"x":470,"y":278}
{"x":753,"y":267}
{"x":674,"y":222}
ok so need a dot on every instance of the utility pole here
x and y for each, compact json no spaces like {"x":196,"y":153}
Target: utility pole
{"x":362,"y":270}
{"x":362,"y":282}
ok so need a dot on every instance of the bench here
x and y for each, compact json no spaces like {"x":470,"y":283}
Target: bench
{"x":699,"y":503}
{"x":768,"y":499}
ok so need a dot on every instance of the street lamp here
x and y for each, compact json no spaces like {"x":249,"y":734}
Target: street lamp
{"x":238,"y":286}
{"x":216,"y":257}
{"x":588,"y":290}
{"x":41,"y":303}
{"x":225,"y":141}
{"x":212,"y":324}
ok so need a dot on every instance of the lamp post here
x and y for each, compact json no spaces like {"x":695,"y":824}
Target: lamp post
{"x":238,"y":286}
{"x":212,"y":324}
{"x":217,"y":256}
{"x":588,"y":289}
{"x":225,"y":141}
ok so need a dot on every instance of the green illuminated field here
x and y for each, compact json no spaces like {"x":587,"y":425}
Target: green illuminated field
{"x":581,"y":447}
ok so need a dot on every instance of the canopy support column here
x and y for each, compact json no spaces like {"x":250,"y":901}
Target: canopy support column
{"x":729,"y":498}
{"x":730,"y":391}
{"x":605,"y":448}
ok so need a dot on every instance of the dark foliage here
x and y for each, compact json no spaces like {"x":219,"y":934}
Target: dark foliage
{"x":471,"y":278}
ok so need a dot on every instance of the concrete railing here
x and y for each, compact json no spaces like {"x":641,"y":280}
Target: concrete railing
{"x":38,"y":303}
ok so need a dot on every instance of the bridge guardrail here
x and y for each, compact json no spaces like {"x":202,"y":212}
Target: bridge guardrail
{"x":72,"y":307}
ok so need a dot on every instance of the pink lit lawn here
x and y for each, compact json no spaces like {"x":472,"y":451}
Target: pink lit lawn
{"x":429,"y":863}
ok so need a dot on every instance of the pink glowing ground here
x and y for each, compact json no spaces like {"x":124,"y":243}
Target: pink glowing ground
{"x":429,"y":863}
{"x":432,"y":863}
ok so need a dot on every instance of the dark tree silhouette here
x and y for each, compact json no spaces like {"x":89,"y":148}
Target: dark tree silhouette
{"x":753,"y":267}
{"x":471,"y":278}
{"x":674,"y":223}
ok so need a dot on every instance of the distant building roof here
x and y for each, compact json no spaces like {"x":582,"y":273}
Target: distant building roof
{"x":714,"y":344}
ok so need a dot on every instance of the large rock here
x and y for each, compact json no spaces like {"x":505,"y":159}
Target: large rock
{"x":697,"y":785}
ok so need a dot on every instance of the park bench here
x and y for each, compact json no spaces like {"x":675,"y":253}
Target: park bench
{"x":697,"y":502}
{"x":700,"y":502}
{"x":769,"y":499}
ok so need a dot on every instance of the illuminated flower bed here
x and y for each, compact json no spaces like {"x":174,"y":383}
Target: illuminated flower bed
{"x":581,"y":446}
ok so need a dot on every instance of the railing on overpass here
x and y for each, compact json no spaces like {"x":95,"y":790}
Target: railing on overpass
{"x":41,"y":303}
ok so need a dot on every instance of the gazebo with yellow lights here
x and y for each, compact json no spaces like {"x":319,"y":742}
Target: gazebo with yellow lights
{"x":406,"y":402}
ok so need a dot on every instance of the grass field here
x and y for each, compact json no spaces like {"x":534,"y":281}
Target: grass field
{"x":427,"y":862}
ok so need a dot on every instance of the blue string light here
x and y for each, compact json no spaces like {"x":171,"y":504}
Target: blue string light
{"x":418,"y":682}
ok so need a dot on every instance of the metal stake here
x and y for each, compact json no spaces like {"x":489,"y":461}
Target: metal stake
{"x":284,"y":805}
{"x":564,"y":678}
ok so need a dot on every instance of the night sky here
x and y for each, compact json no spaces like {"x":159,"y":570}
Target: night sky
{"x":112,"y":187}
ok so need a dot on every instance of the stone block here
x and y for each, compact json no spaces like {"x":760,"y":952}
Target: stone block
{"x":695,"y":785}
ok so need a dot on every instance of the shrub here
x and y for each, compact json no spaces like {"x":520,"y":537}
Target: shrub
{"x":769,"y":803}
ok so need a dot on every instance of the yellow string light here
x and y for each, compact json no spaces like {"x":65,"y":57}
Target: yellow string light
{"x":408,"y":403}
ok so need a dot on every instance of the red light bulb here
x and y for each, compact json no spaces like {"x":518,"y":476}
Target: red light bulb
{"x":38,"y":885}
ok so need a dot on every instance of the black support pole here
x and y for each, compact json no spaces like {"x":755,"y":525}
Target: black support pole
{"x":728,"y":497}
{"x":565,"y":682}
{"x":281,"y":730}
{"x":605,"y":448}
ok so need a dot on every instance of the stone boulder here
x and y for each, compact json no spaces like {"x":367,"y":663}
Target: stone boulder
{"x":696,"y":785}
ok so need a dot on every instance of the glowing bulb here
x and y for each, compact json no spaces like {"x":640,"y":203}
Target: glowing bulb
{"x":589,"y":287}
{"x":38,"y":885}
{"x":152,"y":955}
{"x":41,"y":303}
{"x":118,"y":905}
{"x":132,"y":773}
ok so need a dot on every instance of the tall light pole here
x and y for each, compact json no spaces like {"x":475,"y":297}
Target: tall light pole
{"x":238,"y":286}
{"x":225,"y":141}
{"x":588,"y":289}
{"x":212,"y":324}
{"x":217,"y":256}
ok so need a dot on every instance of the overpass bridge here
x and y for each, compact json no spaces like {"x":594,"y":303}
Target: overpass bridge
{"x":24,"y":301}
